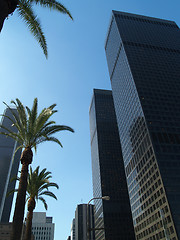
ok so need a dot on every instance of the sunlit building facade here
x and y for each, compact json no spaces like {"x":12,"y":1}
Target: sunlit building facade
{"x":42,"y":226}
{"x":143,"y":56}
{"x":113,"y":217}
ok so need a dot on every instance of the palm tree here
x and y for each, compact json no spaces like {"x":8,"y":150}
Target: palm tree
{"x":26,"y":12}
{"x":38,"y":185}
{"x":33,"y":129}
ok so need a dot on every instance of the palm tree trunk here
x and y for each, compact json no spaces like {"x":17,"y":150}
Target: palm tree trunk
{"x":28,"y":226}
{"x":6,"y":7}
{"x":26,"y":159}
{"x":31,"y":207}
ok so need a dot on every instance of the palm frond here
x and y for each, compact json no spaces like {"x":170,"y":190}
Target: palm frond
{"x":55,"y":128}
{"x":48,"y":193}
{"x":11,"y":192}
{"x":46,"y":186}
{"x":21,"y":112}
{"x":26,"y":13}
{"x":49,"y":139}
{"x":11,"y":134}
{"x":44,"y":202}
{"x":14,"y":179}
{"x":33,"y":128}
{"x":12,"y":121}
{"x":53,"y":4}
{"x":16,"y":117}
{"x":32,"y":118}
{"x":42,"y":120}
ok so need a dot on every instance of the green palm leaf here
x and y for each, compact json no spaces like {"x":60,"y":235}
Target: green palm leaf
{"x":48,"y":193}
{"x":33,"y":128}
{"x":38,"y":185}
{"x":26,"y":13}
{"x":52,"y":4}
{"x":44,"y":202}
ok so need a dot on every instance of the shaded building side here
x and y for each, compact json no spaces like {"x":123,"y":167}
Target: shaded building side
{"x":108,"y":171}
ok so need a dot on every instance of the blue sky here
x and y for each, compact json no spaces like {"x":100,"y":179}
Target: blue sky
{"x":75,"y":66}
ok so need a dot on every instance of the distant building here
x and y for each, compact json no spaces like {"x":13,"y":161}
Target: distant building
{"x":143,"y":55}
{"x":8,"y":167}
{"x":81,"y":222}
{"x":73,"y":229}
{"x":42,"y":226}
{"x":113,"y":217}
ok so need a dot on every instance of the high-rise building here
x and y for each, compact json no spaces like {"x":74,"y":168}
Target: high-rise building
{"x":42,"y":226}
{"x":8,"y":167}
{"x":143,"y":56}
{"x":84,"y":220}
{"x":113,"y":216}
{"x":73,"y":229}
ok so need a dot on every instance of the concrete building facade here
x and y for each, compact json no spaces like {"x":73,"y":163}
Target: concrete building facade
{"x":42,"y":226}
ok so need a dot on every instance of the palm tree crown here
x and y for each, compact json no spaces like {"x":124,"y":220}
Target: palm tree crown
{"x":38,"y":185}
{"x":33,"y":129}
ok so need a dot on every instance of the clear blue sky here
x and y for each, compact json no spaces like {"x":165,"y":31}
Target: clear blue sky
{"x":75,"y":66}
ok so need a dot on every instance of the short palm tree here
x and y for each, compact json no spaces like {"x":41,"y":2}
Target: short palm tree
{"x":33,"y":129}
{"x":26,"y":12}
{"x":38,"y":186}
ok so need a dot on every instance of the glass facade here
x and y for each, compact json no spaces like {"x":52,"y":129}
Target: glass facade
{"x":84,"y":220}
{"x":108,"y":171}
{"x":8,"y":168}
{"x":143,"y":56}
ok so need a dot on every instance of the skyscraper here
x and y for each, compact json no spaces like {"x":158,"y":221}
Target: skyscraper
{"x":114,"y":216}
{"x":81,"y":218}
{"x":8,"y":168}
{"x":143,"y":56}
{"x":73,"y":229}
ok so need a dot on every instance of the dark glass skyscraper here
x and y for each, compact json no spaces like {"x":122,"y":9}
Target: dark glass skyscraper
{"x":143,"y":56}
{"x":8,"y":168}
{"x":84,"y":220}
{"x":108,"y":171}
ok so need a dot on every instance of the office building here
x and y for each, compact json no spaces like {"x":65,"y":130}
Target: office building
{"x":9,"y":165}
{"x":6,"y":230}
{"x":143,"y":56}
{"x":73,"y":229}
{"x":82,"y":220}
{"x":114,"y":216}
{"x":42,"y":226}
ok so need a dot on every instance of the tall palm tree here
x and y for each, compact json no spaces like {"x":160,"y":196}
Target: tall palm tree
{"x":26,"y":12}
{"x":33,"y":129}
